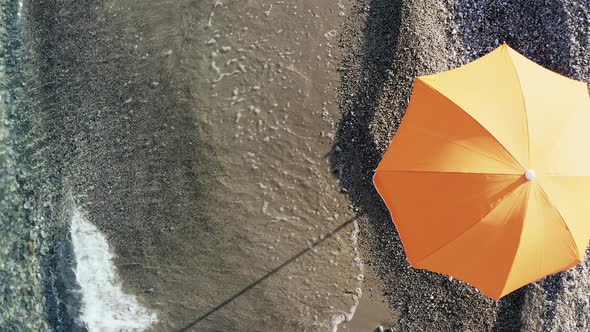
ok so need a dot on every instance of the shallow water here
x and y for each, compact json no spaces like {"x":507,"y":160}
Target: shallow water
{"x":22,"y":228}
{"x":258,"y":96}
{"x":179,"y":166}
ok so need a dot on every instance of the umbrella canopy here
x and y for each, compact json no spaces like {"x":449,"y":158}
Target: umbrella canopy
{"x":488,"y":177}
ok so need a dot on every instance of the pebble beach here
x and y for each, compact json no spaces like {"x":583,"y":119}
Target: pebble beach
{"x":389,"y":44}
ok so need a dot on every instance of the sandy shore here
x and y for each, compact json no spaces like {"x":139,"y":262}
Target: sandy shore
{"x":389,"y":44}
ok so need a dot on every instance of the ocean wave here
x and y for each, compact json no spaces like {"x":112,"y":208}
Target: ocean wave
{"x":105,"y":306}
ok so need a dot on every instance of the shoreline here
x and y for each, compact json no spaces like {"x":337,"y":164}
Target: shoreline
{"x":118,"y":108}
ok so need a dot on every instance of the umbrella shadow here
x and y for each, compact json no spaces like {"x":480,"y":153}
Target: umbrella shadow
{"x":355,"y":156}
{"x":364,"y":74}
{"x":269,"y":274}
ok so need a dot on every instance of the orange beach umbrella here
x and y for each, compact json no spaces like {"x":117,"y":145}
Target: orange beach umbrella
{"x":488,"y":176}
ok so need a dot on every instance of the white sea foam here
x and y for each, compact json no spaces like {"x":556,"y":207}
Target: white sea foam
{"x":105,"y":307}
{"x":347,"y":316}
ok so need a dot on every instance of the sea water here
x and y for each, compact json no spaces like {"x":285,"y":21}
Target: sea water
{"x":22,"y":228}
{"x":172,"y":158}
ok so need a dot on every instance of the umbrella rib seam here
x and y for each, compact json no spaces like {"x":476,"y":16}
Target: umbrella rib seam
{"x":526,"y":117}
{"x":474,"y":119}
{"x":569,"y":232}
{"x":526,"y":211}
{"x":464,"y":231}
{"x":544,"y":233}
{"x":426,"y":132}
{"x":445,"y":172}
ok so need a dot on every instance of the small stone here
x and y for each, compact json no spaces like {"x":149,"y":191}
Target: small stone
{"x":30,"y":246}
{"x":380,"y":328}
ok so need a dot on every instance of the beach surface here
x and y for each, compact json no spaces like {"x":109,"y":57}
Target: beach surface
{"x":391,"y":43}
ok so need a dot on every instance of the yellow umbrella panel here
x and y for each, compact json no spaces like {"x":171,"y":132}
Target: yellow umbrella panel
{"x":488,"y":176}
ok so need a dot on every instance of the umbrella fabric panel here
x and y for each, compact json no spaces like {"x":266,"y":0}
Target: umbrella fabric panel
{"x":558,"y":113}
{"x":484,"y":253}
{"x":489,"y":90}
{"x":437,"y":135}
{"x":433,"y":209}
{"x":569,"y":195}
{"x":546,"y":245}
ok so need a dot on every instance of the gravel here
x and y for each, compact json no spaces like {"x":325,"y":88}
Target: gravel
{"x":388,"y":44}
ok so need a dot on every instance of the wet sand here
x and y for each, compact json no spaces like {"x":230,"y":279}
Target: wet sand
{"x":196,"y":137}
{"x":373,"y":309}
